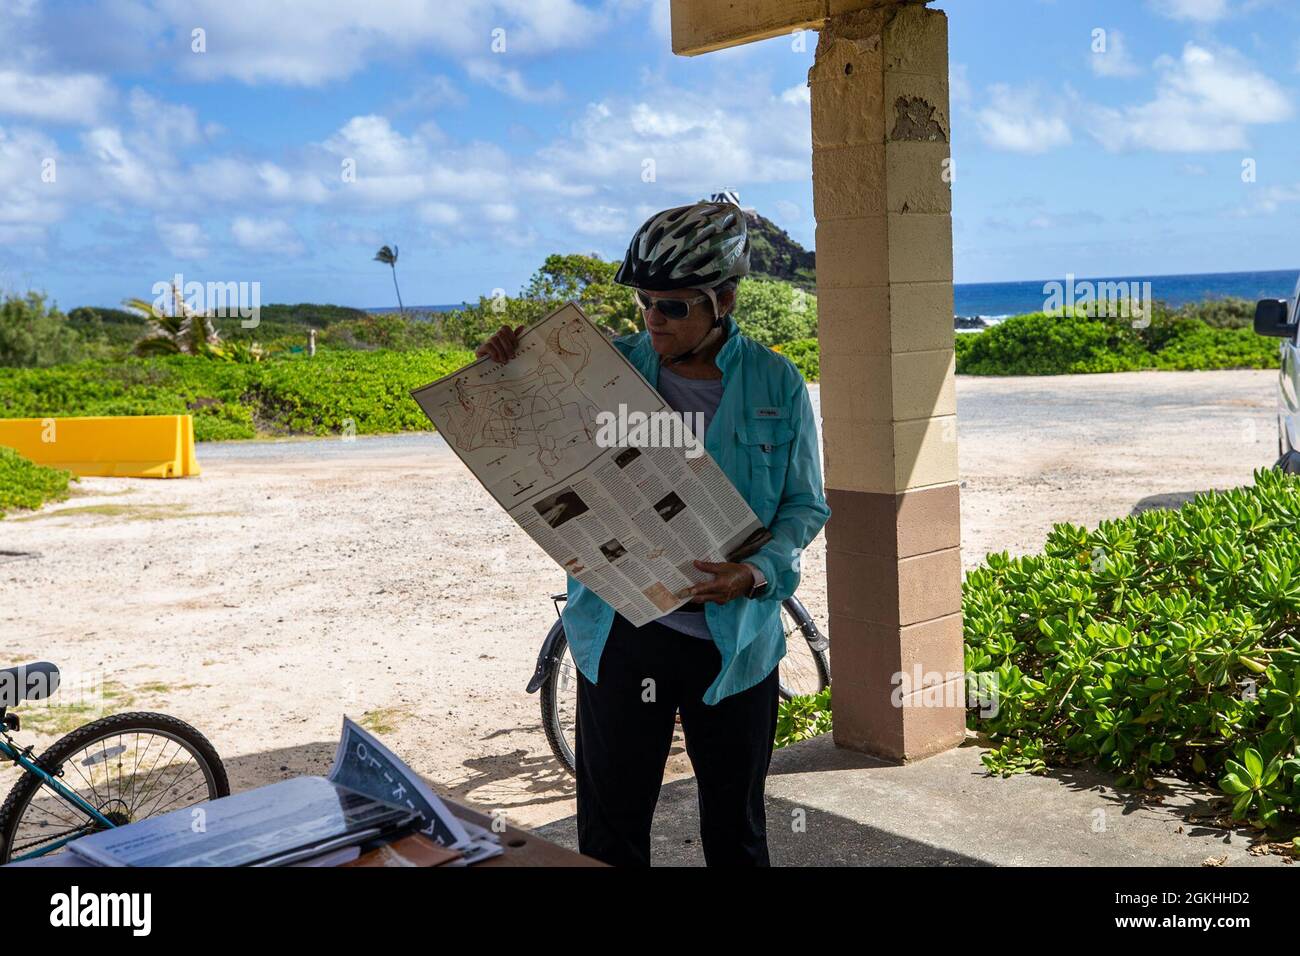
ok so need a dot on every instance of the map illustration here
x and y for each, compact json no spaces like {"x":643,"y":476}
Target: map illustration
{"x":535,"y":405}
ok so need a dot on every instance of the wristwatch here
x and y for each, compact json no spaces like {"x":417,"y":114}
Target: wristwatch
{"x":760,"y":582}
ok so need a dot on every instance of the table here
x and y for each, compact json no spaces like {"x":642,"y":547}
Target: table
{"x":521,"y":847}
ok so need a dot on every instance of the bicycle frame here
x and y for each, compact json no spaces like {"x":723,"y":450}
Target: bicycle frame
{"x":9,"y":752}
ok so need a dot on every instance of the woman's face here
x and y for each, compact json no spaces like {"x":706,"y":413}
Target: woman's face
{"x":675,"y":336}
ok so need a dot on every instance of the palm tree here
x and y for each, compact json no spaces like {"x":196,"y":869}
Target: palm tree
{"x":389,"y":258}
{"x":185,"y":331}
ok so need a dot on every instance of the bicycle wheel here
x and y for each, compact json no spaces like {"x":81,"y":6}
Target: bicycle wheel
{"x":559,"y":697}
{"x":129,"y":767}
{"x":806,"y":667}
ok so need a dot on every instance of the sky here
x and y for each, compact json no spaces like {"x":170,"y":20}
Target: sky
{"x":283,"y":141}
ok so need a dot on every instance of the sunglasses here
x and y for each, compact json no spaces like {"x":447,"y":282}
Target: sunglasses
{"x":668,"y":308}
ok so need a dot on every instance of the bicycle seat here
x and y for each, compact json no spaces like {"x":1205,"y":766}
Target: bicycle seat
{"x":27,"y":682}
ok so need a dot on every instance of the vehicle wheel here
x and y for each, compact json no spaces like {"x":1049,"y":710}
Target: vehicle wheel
{"x":559,"y":697}
{"x":806,"y":667}
{"x":129,"y":767}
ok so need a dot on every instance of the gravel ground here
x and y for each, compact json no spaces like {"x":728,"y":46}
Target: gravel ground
{"x":296,"y":581}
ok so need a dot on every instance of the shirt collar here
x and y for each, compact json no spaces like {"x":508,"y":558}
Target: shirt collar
{"x":727,"y":355}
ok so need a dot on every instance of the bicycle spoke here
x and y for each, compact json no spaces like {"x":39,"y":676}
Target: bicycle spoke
{"x":140,"y":776}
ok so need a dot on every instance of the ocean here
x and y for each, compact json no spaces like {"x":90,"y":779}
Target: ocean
{"x":1000,"y":299}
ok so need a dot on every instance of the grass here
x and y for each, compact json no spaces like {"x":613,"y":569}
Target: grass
{"x":383,"y":720}
{"x":56,"y":718}
{"x":142,"y":512}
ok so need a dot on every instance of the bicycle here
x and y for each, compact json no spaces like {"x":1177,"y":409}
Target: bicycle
{"x":46,"y":810}
{"x":805,"y":669}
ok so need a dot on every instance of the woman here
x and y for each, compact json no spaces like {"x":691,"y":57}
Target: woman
{"x":715,"y":659}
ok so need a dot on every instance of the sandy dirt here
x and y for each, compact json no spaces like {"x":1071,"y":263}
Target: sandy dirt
{"x":297,"y":581}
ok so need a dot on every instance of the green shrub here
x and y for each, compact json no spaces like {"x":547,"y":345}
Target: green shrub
{"x":361,"y":392}
{"x":773,"y":312}
{"x":1051,"y":344}
{"x":805,"y":355}
{"x":24,"y":484}
{"x":33,"y":334}
{"x":802,"y":718}
{"x":1222,"y":313}
{"x":1163,"y":643}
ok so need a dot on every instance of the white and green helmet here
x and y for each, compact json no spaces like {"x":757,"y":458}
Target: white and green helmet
{"x":689,"y":247}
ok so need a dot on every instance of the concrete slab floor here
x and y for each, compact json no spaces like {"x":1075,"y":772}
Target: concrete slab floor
{"x":947,"y":811}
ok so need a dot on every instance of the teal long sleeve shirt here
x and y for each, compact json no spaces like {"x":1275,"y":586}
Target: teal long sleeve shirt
{"x":764,"y":438}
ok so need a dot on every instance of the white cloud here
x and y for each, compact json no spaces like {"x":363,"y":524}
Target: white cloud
{"x":169,"y":125}
{"x":309,"y":44}
{"x":1115,"y":60}
{"x":1205,"y":101}
{"x":511,"y":82}
{"x":692,"y":140}
{"x":228,"y":179}
{"x":1269,"y":200}
{"x":120,"y":168}
{"x":184,"y":240}
{"x":265,"y":235}
{"x":1201,"y":11}
{"x":28,"y":205}
{"x":440,"y":213}
{"x":600,"y":220}
{"x":73,"y":98}
{"x":798,"y":94}
{"x":1014,"y":121}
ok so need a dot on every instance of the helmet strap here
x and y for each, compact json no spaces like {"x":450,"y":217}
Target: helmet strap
{"x":708,"y":336}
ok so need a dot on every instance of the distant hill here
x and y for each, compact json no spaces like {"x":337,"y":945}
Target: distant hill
{"x":773,"y":253}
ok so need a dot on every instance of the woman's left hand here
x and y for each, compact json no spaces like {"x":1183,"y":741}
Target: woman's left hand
{"x":730,"y":581}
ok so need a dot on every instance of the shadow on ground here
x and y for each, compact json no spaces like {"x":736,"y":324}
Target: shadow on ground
{"x":831,"y":807}
{"x":1168,"y":501}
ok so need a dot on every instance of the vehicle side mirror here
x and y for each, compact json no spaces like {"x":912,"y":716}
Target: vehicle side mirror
{"x":1271,"y":318}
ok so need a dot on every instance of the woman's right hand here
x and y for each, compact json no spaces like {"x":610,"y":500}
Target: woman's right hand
{"x":502,"y":346}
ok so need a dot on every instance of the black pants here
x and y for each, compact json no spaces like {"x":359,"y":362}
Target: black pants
{"x":625,"y":730}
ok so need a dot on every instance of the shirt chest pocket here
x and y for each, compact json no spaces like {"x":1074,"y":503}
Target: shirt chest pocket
{"x":766,"y":445}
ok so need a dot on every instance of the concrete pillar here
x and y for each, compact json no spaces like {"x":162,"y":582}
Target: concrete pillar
{"x":883,"y":204}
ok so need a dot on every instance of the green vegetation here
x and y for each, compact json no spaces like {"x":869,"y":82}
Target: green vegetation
{"x":1211,"y":335}
{"x":806,"y":356}
{"x":238,"y":385}
{"x":773,"y":254}
{"x":773,"y":312}
{"x":1046,"y":344}
{"x":802,"y":718}
{"x":1166,"y":643}
{"x":24,"y":484}
{"x":34,"y":334}
{"x":334,"y":393}
{"x":1163,"y":643}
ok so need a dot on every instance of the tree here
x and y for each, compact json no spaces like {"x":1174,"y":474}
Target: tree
{"x":184,"y":332}
{"x":589,"y":281}
{"x":33,"y":335}
{"x":389,"y":258}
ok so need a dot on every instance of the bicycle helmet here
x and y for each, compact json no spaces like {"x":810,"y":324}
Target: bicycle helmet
{"x":688,"y":247}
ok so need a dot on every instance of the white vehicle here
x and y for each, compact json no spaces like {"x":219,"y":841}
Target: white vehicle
{"x":1281,"y":318}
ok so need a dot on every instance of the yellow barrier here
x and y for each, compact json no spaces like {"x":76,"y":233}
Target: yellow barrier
{"x":120,"y":446}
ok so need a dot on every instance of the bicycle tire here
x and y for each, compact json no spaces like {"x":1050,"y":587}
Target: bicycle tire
{"x":550,"y":701}
{"x":550,"y":693}
{"x":818,"y":645}
{"x":52,"y":760}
